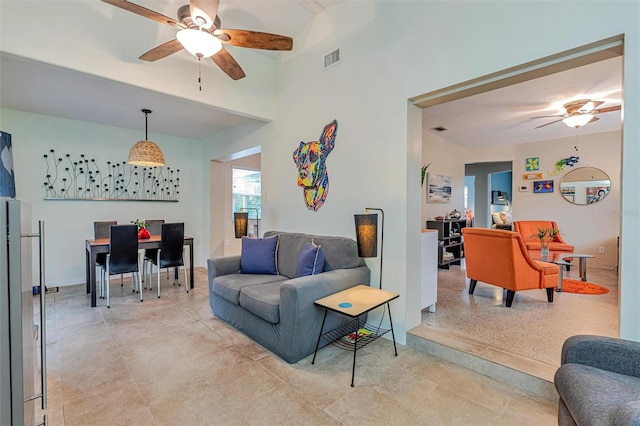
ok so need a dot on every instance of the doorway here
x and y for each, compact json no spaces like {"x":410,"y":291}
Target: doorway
{"x":495,"y":322}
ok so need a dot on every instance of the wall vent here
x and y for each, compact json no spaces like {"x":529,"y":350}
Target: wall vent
{"x":439,"y":129}
{"x":332,"y":58}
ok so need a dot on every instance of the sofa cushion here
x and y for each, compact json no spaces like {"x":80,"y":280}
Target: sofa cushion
{"x":259,"y":255}
{"x":311,"y":260}
{"x":229,"y":286}
{"x":595,"y":396}
{"x":339,"y":252}
{"x":263,"y":301}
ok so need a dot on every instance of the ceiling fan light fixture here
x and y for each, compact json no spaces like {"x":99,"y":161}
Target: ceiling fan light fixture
{"x":199,"y":43}
{"x":577,"y":120}
{"x":146,"y":153}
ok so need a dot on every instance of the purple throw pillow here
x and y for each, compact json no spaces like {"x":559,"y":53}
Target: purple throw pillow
{"x":311,"y":260}
{"x":259,"y":256}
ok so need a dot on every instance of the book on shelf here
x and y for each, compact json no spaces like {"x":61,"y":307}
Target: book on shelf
{"x":351,"y":337}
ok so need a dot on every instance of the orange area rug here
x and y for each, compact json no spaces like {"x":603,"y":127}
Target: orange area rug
{"x":582,"y":287}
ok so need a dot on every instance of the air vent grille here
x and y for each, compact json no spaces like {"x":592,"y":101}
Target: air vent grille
{"x":332,"y":58}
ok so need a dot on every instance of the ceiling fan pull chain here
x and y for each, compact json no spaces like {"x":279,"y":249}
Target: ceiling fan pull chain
{"x":199,"y":74}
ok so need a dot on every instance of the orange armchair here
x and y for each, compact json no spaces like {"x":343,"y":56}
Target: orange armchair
{"x":529,"y":228}
{"x":498,"y":257}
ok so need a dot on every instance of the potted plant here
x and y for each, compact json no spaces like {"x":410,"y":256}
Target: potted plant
{"x":546,"y":235}
{"x":143,"y":234}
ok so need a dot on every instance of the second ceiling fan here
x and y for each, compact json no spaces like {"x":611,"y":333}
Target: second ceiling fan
{"x":200,"y":33}
{"x":579,"y":113}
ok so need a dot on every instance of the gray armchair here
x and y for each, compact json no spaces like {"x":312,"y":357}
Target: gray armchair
{"x":599,"y":382}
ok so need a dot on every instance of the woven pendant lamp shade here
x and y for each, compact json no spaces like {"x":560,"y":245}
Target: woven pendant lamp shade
{"x":146,"y":154}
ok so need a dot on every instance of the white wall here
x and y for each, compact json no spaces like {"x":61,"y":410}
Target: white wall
{"x":424,"y":46}
{"x":446,"y":158}
{"x":586,"y":227}
{"x":392,"y":51}
{"x":69,"y":223}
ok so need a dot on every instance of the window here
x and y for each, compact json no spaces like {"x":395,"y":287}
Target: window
{"x":247,"y":190}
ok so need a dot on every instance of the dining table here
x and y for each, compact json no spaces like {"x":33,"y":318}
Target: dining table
{"x":101,"y":245}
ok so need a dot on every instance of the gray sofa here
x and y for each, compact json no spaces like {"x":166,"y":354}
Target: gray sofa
{"x":278,"y":311}
{"x":599,"y":382}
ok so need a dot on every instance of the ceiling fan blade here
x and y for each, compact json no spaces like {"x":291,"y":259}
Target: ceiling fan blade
{"x":162,"y":51}
{"x":551,"y":122}
{"x":547,"y":116}
{"x":143,"y":11}
{"x":206,"y":9}
{"x":607,"y":109}
{"x":593,"y":119}
{"x":225,"y":61}
{"x":254,"y":39}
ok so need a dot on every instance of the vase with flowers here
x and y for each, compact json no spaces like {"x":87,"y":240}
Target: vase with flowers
{"x":546,"y":235}
{"x":143,"y":234}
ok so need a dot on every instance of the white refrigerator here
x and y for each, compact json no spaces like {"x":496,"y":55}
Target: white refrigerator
{"x":19,"y":330}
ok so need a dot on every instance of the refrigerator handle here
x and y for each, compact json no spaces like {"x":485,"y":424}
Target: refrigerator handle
{"x":43,"y":327}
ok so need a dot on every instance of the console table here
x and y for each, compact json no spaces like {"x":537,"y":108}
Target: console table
{"x":355,"y":302}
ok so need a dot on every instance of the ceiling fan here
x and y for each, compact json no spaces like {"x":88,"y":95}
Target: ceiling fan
{"x":579,"y":113}
{"x":200,"y":33}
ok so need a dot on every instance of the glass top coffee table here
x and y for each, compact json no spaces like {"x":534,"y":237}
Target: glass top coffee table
{"x":564,"y":259}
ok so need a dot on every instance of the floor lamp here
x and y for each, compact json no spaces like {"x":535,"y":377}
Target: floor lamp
{"x":367,"y":235}
{"x":240,"y":222}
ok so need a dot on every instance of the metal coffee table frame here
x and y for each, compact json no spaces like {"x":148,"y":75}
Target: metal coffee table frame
{"x":355,"y":302}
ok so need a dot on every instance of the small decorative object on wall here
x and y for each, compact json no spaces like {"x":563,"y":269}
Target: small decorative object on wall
{"x":438,"y":188}
{"x":85,"y":179}
{"x":561,"y":164}
{"x":533,"y":163}
{"x":531,"y":176}
{"x":7,"y":177}
{"x":541,"y":186}
{"x":524,"y":188}
{"x":310,"y":159}
{"x":424,"y":173}
{"x":500,"y":198}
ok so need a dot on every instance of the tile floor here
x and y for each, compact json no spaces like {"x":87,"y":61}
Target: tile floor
{"x":169,"y":361}
{"x":529,"y":335}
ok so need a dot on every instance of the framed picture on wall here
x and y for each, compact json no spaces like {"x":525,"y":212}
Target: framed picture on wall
{"x":439,"y":188}
{"x":542,"y":186}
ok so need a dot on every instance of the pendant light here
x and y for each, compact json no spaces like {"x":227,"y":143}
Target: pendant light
{"x":146,"y":153}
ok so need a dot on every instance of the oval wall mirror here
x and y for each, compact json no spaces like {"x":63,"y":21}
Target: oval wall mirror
{"x":585,"y":185}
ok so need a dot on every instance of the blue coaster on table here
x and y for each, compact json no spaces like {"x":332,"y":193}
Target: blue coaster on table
{"x":345,"y":305}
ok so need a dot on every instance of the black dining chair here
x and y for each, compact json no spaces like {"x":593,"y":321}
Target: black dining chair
{"x":101,"y":230}
{"x":122,"y":257}
{"x":154,"y":226}
{"x":171,"y":252}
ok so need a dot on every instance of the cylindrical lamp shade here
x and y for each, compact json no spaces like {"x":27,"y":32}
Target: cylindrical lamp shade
{"x":240,"y":221}
{"x":367,"y":234}
{"x":146,"y":154}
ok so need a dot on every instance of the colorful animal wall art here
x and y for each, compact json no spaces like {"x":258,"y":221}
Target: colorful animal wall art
{"x":561,"y":164}
{"x":310,"y":159}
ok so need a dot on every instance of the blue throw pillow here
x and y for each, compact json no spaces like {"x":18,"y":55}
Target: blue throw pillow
{"x":259,"y":255}
{"x":311,"y":260}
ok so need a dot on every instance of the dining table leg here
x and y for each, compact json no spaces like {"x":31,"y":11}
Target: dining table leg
{"x":88,"y":277}
{"x":191,"y":265}
{"x":92,"y":277}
